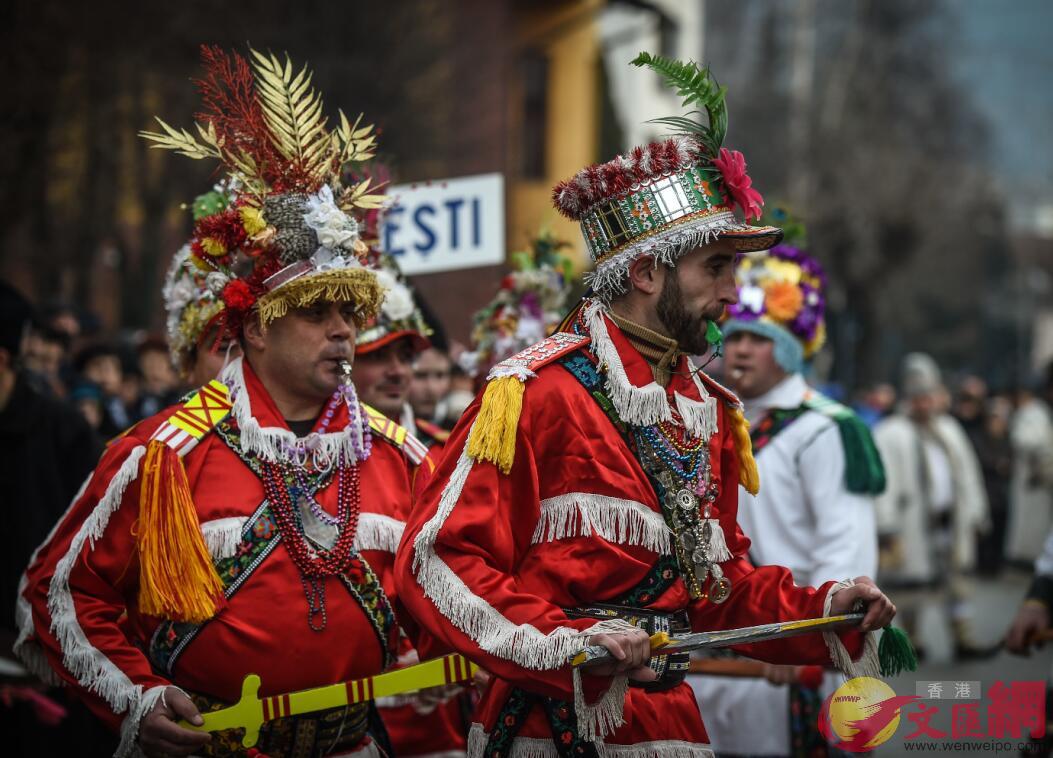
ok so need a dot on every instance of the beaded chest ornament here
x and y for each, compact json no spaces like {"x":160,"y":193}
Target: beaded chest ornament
{"x":681,"y":465}
{"x":321,"y":545}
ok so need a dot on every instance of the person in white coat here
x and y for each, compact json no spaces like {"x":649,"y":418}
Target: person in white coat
{"x":1031,"y":486}
{"x":814,"y":513}
{"x":934,"y":506}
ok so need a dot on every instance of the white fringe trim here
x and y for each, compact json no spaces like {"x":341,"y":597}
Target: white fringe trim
{"x":623,"y":522}
{"x":31,"y":655}
{"x":88,"y":665}
{"x":718,"y":545}
{"x":27,"y":650}
{"x":378,"y":532}
{"x":611,"y":277}
{"x":223,"y":535}
{"x":868,"y":663}
{"x":639,"y":406}
{"x":272,"y":443}
{"x":534,"y":747}
{"x":700,"y":416}
{"x":131,"y":723}
{"x":522,"y":644}
{"x":601,"y":718}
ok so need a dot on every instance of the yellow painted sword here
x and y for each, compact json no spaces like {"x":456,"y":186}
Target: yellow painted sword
{"x":251,"y":711}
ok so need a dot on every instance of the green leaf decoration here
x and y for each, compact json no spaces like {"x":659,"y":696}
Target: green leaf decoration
{"x":699,"y":88}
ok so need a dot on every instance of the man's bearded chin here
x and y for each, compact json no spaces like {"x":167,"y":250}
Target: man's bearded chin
{"x":688,"y":329}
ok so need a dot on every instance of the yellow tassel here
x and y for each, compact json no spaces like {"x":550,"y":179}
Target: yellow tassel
{"x":177,"y":580}
{"x":493,"y":435}
{"x":740,"y":427}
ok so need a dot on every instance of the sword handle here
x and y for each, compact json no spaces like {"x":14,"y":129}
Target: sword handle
{"x":594,"y":655}
{"x":247,"y":714}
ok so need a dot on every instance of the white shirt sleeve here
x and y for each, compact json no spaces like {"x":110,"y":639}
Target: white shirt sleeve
{"x":845,"y":536}
{"x":1044,"y":564}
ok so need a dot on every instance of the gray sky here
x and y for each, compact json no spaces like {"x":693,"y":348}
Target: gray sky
{"x":1006,"y":61}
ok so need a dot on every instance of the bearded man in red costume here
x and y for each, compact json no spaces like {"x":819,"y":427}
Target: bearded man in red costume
{"x":250,"y":529}
{"x":589,"y":495}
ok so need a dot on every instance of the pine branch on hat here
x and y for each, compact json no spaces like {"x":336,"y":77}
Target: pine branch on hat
{"x":697,"y":87}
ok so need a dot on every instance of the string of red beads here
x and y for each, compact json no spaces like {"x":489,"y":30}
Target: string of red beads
{"x":310,"y":561}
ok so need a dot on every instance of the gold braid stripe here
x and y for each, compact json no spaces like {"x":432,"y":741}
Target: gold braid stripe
{"x":358,"y":286}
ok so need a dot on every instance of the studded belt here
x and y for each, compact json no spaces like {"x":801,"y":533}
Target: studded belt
{"x":671,"y":669}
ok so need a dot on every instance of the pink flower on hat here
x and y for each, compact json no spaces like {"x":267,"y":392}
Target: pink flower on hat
{"x":732,"y":165}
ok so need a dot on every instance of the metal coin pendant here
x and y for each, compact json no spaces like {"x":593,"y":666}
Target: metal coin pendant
{"x":719,"y":589}
{"x":686,"y":500}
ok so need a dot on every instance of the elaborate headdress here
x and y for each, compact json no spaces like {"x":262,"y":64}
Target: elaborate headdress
{"x":191,"y":306}
{"x":289,"y":219}
{"x":283,"y":238}
{"x":398,"y":317}
{"x":526,"y":308}
{"x":781,"y":297}
{"x":669,"y":197}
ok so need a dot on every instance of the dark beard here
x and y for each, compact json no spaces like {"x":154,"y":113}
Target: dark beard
{"x":688,"y":329}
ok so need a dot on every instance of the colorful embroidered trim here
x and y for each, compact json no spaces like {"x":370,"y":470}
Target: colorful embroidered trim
{"x":775,"y":421}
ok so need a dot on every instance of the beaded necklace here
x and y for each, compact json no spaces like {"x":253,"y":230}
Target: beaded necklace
{"x":287,"y":490}
{"x":681,"y":466}
{"x":303,"y":451}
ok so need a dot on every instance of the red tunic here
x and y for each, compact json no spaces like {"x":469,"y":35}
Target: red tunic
{"x":95,"y":638}
{"x":489,"y":561}
{"x":418,"y":728}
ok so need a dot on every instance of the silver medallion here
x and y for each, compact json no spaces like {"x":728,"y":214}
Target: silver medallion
{"x":719,"y":589}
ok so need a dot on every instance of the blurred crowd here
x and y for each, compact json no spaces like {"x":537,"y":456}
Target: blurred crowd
{"x":969,"y":468}
{"x":115,"y":382}
{"x":1010,"y":436}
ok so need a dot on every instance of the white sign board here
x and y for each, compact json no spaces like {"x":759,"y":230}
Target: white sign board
{"x":446,"y":225}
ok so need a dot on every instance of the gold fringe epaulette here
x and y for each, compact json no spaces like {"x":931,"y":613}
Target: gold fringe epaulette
{"x":493,"y":435}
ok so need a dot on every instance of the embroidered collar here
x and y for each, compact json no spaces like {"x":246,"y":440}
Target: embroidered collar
{"x":265,"y":433}
{"x":637,"y":397}
{"x":661,"y":352}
